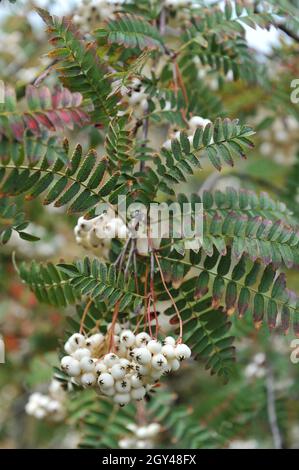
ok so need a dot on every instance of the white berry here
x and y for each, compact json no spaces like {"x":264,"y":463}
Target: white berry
{"x":128,"y":338}
{"x":168,"y":351}
{"x":121,"y":399}
{"x":138,"y":393}
{"x":106,"y":380}
{"x":158,"y":361}
{"x":143,"y":356}
{"x":182,"y":351}
{"x":88,"y":379}
{"x":122,"y":386}
{"x":154,"y":346}
{"x":118,"y":371}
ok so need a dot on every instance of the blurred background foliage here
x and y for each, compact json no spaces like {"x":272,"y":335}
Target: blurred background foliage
{"x":231,"y":416}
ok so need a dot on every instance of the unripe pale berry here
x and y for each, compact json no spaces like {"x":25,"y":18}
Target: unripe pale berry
{"x":106,"y":380}
{"x":100,"y":367}
{"x":118,"y":371}
{"x":71,"y":366}
{"x":169,"y":340}
{"x":158,"y":361}
{"x":153,"y":429}
{"x":142,"y":339}
{"x":123,"y":386}
{"x":77,"y":341}
{"x":111,"y":359}
{"x":87,"y":364}
{"x":68,"y":348}
{"x":182,"y":351}
{"x":136,"y":381}
{"x":154,"y":346}
{"x":138,"y":393}
{"x":168,"y":351}
{"x":143,"y":356}
{"x":128,"y":338}
{"x":121,"y":399}
{"x":142,"y":432}
{"x":95,"y":340}
{"x":124,"y":362}
{"x":81,"y":352}
{"x":88,"y":379}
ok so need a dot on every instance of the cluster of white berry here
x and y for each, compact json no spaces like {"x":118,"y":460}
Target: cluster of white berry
{"x":50,"y":406}
{"x":175,"y":4}
{"x":193,"y":123}
{"x":92,"y":12}
{"x":128,"y":373}
{"x":142,"y":437}
{"x":256,"y":368}
{"x":96,"y":234}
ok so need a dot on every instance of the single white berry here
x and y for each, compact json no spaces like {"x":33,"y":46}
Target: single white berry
{"x":100,"y":367}
{"x":182,"y":351}
{"x":88,"y":379}
{"x":71,"y":366}
{"x":118,"y":371}
{"x":124,"y":362}
{"x":68,"y":348}
{"x":105,"y":380}
{"x":121,"y":399}
{"x":153,"y":429}
{"x":95,"y":340}
{"x":142,"y":339}
{"x":169,"y":340}
{"x":138,"y":393}
{"x":80,"y":353}
{"x":77,"y":341}
{"x":158,"y":361}
{"x":168,"y":351}
{"x":142,"y":432}
{"x":174,"y":364}
{"x":87,"y":364}
{"x":111,"y":359}
{"x":136,"y":381}
{"x":143,"y":356}
{"x":128,"y":338}
{"x":154,"y":346}
{"x":122,"y":386}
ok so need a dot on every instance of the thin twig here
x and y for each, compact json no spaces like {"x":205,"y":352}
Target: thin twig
{"x":111,"y":332}
{"x":271,"y":408}
{"x":84,"y":315}
{"x":180,"y":338}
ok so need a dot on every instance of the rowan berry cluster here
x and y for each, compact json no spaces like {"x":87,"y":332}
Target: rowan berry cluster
{"x":121,"y":365}
{"x":48,"y":406}
{"x":96,"y":234}
{"x":140,"y":437}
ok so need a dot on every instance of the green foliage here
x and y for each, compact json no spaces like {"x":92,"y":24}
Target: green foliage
{"x":131,"y":31}
{"x":76,"y":183}
{"x":11,"y":219}
{"x":79,"y":67}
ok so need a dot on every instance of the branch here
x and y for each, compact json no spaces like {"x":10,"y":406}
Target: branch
{"x":272,"y":416}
